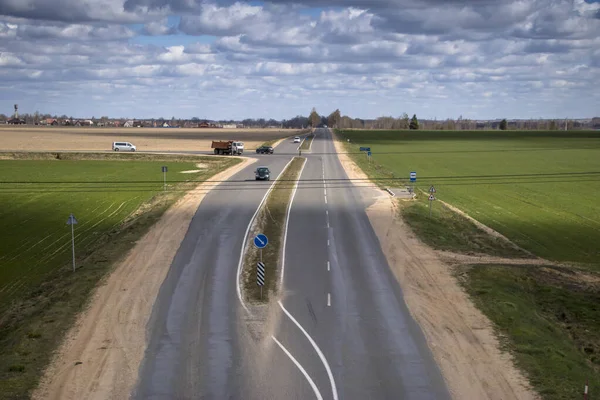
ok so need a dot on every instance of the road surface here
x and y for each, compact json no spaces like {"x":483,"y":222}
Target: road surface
{"x":341,"y":330}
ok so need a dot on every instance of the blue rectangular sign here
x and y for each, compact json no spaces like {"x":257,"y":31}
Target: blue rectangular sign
{"x":365,"y":149}
{"x":413,"y":176}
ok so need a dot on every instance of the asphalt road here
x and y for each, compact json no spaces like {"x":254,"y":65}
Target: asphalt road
{"x":340,"y":289}
{"x":193,"y":333}
{"x":341,"y":330}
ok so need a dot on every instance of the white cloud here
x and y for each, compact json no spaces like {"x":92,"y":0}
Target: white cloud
{"x":376,"y":57}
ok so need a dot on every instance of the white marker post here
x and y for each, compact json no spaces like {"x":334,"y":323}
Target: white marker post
{"x":431,"y":198}
{"x":72,"y":221}
{"x":164,"y":170}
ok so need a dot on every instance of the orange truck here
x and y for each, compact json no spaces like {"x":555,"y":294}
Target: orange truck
{"x":231,"y":147}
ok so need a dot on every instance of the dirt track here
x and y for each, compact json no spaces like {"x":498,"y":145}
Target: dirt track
{"x":109,"y":338}
{"x":51,"y":138}
{"x":461,"y":338}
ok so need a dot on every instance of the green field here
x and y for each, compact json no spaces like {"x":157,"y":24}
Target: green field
{"x":540,"y":189}
{"x":548,"y":320}
{"x":39,"y":293}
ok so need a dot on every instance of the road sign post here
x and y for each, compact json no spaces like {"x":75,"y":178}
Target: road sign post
{"x":164,"y":170}
{"x":72,"y":221}
{"x":431,"y":199}
{"x":260,"y":276}
{"x":261,"y":241}
{"x":413,"y":179}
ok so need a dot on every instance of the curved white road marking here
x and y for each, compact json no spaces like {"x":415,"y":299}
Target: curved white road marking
{"x":243,"y":249}
{"x":287,"y":222}
{"x":310,"y":381}
{"x":319,"y":352}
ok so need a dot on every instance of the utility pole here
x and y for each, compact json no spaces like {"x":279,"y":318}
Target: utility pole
{"x":72,"y":221}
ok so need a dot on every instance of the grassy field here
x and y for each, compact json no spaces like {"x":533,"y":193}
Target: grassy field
{"x":271,"y":222}
{"x":115,"y":203}
{"x":447,"y":230}
{"x":549,"y":321}
{"x":540,"y":189}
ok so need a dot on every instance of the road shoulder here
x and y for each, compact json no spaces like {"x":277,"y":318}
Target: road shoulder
{"x":101,"y":354}
{"x":460,"y":337}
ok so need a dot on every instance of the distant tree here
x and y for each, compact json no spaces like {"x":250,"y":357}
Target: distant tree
{"x":334,"y":119}
{"x":503,"y":125}
{"x":404,"y":121}
{"x":553,"y":125}
{"x":314,"y":118}
{"x":414,"y":122}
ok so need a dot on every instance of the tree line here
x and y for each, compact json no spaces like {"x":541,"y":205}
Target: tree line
{"x":336,"y":120}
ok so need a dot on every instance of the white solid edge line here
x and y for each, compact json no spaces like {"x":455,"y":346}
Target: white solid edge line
{"x":243,"y":250}
{"x":319,"y":352}
{"x":310,"y":381}
{"x":287,"y":222}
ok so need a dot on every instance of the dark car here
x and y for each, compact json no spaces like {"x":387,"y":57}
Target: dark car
{"x":263,"y":173}
{"x":264,"y":150}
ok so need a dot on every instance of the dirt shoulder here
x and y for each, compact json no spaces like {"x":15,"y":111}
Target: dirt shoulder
{"x":460,"y":337}
{"x":100,"y":356}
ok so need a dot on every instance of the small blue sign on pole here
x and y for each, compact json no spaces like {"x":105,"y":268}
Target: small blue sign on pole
{"x":413,"y":176}
{"x":260,"y":241}
{"x":365,"y":149}
{"x":369,"y":153}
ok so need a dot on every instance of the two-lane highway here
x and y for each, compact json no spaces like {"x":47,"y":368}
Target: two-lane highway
{"x":194,"y":331}
{"x":340,"y":290}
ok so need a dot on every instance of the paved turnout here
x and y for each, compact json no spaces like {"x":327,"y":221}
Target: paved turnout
{"x":341,"y":329}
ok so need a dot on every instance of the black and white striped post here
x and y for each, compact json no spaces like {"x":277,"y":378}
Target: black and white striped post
{"x":260,"y":276}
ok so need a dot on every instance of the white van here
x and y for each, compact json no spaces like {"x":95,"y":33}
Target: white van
{"x":123,"y":146}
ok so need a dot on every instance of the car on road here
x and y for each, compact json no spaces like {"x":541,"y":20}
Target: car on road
{"x":123,"y":146}
{"x":263,"y":173}
{"x":264,"y":150}
{"x":297,"y":139}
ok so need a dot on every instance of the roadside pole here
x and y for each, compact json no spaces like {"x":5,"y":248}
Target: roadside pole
{"x":164,"y":170}
{"x":260,"y":242}
{"x":431,"y":198}
{"x":72,"y":221}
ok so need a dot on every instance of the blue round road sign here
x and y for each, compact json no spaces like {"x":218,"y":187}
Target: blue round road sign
{"x":260,"y":241}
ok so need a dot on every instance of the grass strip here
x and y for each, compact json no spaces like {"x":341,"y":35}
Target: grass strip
{"x":33,"y":325}
{"x":271,"y":221}
{"x":548,"y":319}
{"x":307,"y":142}
{"x":450,"y":231}
{"x":108,"y":156}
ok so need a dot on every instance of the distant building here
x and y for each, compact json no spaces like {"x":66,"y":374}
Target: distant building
{"x":229,"y":126}
{"x":128,"y":124}
{"x":165,"y":125}
{"x":16,"y":121}
{"x":203,"y":125}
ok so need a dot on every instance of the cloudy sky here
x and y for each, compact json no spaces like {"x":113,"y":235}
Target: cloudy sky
{"x":224,"y":59}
